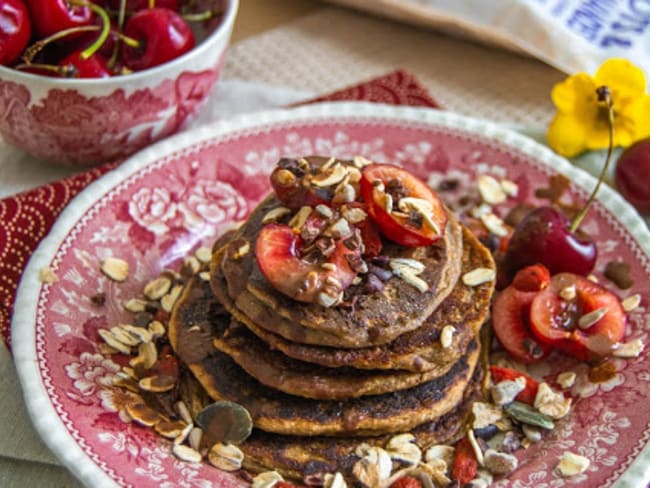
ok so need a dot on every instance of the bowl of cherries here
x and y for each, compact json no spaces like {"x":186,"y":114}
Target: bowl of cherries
{"x":82,"y":82}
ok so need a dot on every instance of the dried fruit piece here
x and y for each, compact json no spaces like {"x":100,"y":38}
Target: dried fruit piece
{"x":465,"y":465}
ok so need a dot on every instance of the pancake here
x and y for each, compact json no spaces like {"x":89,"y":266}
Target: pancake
{"x":190,"y":327}
{"x":465,"y":309}
{"x":376,"y":318}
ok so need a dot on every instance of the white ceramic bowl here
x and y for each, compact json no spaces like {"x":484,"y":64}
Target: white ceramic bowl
{"x":86,"y":121}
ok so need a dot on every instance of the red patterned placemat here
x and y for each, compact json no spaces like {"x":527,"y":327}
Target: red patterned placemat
{"x":26,"y":218}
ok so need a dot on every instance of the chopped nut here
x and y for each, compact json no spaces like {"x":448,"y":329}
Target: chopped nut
{"x":275,"y":214}
{"x":494,"y":224}
{"x":422,"y":207}
{"x":551,"y":403}
{"x":204,"y":276}
{"x":330,"y":175}
{"x":48,"y":276}
{"x":354,"y":215}
{"x":566,"y":379}
{"x":360,"y":161}
{"x":478,"y":276}
{"x":157,"y":384}
{"x":509,"y":187}
{"x":340,"y":229}
{"x":284,"y":177}
{"x":572,"y":464}
{"x":116,"y":269}
{"x":157,"y":288}
{"x":203,"y":254}
{"x":403,"y":448}
{"x":591,"y":318}
{"x":186,"y":453}
{"x":447,"y":336}
{"x":344,"y":194}
{"x":241,"y":251}
{"x":631,"y":302}
{"x":485,"y":414}
{"x":490,"y":190}
{"x":225,"y":456}
{"x":506,"y":391}
{"x":373,"y":468}
{"x":629,"y":350}
{"x":324,"y":211}
{"x":500,"y":462}
{"x":267,"y":479}
{"x":568,"y":293}
{"x":299,"y":219}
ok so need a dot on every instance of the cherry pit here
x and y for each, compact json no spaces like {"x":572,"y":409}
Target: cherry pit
{"x":98,"y":38}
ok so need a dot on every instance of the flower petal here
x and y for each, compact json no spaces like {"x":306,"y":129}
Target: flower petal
{"x":639,"y":112}
{"x":622,"y":77}
{"x":575,"y":94}
{"x":567,"y":134}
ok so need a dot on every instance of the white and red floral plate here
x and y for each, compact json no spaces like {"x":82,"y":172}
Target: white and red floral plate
{"x":182,"y":192}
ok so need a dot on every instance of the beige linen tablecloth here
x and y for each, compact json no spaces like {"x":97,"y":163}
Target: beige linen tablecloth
{"x":318,"y":53}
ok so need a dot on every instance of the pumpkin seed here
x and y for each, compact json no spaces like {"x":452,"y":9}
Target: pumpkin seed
{"x":224,"y":421}
{"x":528,"y":415}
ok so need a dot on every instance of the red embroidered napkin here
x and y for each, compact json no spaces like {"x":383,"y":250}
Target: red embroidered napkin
{"x":26,"y":218}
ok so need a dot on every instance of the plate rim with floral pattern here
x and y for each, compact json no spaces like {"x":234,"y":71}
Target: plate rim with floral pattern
{"x":43,"y":415}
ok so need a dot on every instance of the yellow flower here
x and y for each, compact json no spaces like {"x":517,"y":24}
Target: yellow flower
{"x":581,"y":121}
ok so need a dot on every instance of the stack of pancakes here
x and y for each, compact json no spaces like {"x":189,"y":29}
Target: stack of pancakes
{"x":318,"y":381}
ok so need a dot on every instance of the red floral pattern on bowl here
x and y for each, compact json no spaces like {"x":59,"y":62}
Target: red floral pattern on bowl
{"x":84,"y":122}
{"x":181,"y":193}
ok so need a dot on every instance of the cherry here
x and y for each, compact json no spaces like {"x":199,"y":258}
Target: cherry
{"x":546,"y":236}
{"x":632,"y":175}
{"x":555,"y":319}
{"x":136,"y":5}
{"x":52,"y":16}
{"x":162,"y":35}
{"x":77,"y":65}
{"x":279,"y":253}
{"x":15,"y":30}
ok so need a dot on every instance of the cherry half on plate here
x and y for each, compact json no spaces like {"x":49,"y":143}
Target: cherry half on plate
{"x":560,"y":321}
{"x":632,"y":175}
{"x":404,"y":208}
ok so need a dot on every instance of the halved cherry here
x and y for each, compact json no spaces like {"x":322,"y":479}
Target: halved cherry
{"x":511,"y":316}
{"x":588,"y":325}
{"x":279,"y":253}
{"x":405,"y":209}
{"x":528,"y":394}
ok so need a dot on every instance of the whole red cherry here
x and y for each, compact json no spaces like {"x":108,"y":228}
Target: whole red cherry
{"x":15,"y":30}
{"x":161,"y":34}
{"x":51,"y":16}
{"x":80,"y":66}
{"x":632,"y":175}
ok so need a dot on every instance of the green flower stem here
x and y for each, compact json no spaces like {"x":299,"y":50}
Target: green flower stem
{"x":604,"y":96}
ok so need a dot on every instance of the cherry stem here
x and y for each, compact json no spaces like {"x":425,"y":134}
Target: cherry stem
{"x":207,"y":15}
{"x":67,"y":71}
{"x":604,"y":96}
{"x":35,"y":48}
{"x":106,"y":27}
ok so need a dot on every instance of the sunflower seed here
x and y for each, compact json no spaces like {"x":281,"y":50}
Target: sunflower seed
{"x":196,"y":434}
{"x":409,"y":276}
{"x":589,"y":319}
{"x":416,"y":266}
{"x":572,"y":464}
{"x":186,"y":453}
{"x":135,"y":305}
{"x":116,"y":269}
{"x":267,"y":479}
{"x":203,"y":254}
{"x":113,"y":342}
{"x":568,"y":293}
{"x":157,"y":288}
{"x":158,"y":383}
{"x":566,"y":379}
{"x":494,"y":224}
{"x":167,"y":302}
{"x":447,"y":336}
{"x":48,"y":276}
{"x":490,"y":190}
{"x":631,"y":302}
{"x":331,"y":176}
{"x":298,"y":220}
{"x":324,"y":211}
{"x":478,"y":276}
{"x":170,"y":429}
{"x":510,"y":187}
{"x":630,"y":349}
{"x":344,"y":194}
{"x":226,"y":457}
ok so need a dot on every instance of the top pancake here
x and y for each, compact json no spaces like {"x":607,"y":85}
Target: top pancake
{"x":376,"y":318}
{"x":465,"y":309}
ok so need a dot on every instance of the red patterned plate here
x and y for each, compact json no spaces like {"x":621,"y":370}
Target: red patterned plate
{"x":167,"y":199}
